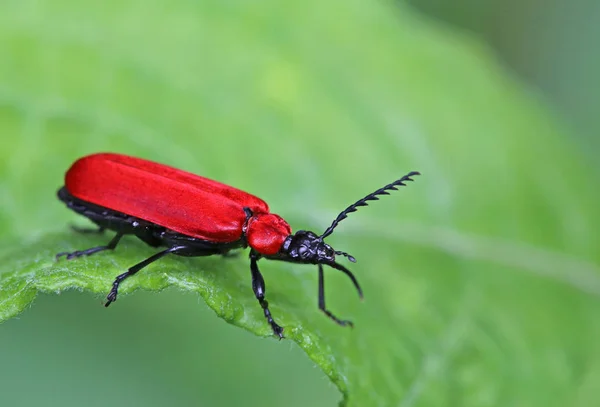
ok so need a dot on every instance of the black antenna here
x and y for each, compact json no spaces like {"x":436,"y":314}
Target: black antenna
{"x":350,"y":257}
{"x":364,"y":201}
{"x":347,"y":272}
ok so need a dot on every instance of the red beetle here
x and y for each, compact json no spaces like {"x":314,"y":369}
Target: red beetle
{"x":194,"y":216}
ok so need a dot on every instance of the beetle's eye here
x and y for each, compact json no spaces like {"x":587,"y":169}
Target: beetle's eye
{"x":325,"y":251}
{"x":304,"y":251}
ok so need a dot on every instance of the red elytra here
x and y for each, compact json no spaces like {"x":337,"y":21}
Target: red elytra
{"x":178,"y":200}
{"x":195,"y":216}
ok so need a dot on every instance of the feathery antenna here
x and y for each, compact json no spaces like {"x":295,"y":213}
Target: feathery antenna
{"x":364,"y":201}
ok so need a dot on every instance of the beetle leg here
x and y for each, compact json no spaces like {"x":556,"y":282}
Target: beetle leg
{"x":258,"y":286}
{"x":98,"y":230}
{"x":322,"y":301}
{"x":110,"y":246}
{"x":112,"y":295}
{"x":231,"y":254}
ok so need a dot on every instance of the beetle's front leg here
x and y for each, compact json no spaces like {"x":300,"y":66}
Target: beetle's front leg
{"x":258,"y":286}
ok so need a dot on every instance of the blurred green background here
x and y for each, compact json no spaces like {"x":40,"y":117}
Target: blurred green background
{"x":481,"y":278}
{"x":551,"y":44}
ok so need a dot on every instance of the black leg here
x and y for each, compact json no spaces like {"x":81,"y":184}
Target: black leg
{"x":322,"y":301}
{"x":110,"y":246}
{"x":231,"y":254}
{"x":258,"y":286}
{"x":112,"y":295}
{"x":98,"y":230}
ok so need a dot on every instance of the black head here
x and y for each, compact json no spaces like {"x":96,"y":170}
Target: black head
{"x":308,"y":247}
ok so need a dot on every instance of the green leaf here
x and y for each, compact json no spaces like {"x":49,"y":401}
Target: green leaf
{"x":481,"y":278}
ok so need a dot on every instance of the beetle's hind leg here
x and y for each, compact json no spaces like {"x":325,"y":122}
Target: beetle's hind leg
{"x":110,"y":246}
